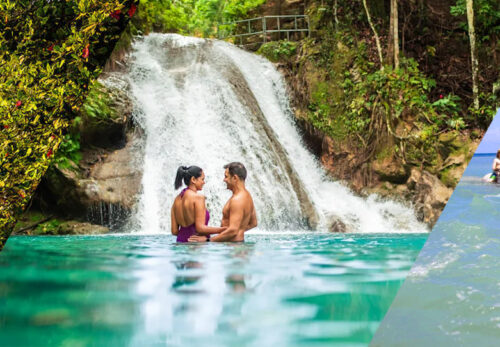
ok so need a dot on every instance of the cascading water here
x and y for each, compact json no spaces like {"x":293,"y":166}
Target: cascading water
{"x":206,"y":103}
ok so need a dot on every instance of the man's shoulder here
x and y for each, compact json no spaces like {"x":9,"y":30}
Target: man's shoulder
{"x":241,"y":199}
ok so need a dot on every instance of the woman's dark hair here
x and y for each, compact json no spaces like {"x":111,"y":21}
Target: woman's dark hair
{"x":184,"y":173}
{"x":498,"y":154}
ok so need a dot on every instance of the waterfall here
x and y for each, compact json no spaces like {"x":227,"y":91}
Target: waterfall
{"x":206,"y":103}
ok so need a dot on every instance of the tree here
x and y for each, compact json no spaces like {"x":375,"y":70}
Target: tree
{"x":473,"y":53}
{"x":393,"y":41}
{"x":377,"y":40}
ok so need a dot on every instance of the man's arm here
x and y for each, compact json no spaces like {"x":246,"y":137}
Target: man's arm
{"x":201,"y":228}
{"x":174,"y":225}
{"x":235,"y":216}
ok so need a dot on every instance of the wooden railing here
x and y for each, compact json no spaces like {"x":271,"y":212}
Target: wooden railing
{"x":265,"y":27}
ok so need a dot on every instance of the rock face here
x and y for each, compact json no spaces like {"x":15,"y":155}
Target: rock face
{"x":79,"y":228}
{"x":103,"y":188}
{"x":429,"y":195}
{"x":115,"y":178}
{"x":427,"y":192}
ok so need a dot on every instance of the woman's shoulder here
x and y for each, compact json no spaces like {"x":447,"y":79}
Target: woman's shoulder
{"x":195,"y":196}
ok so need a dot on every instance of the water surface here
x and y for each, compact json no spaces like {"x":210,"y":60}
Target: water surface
{"x":281,"y":289}
{"x":452,"y":294}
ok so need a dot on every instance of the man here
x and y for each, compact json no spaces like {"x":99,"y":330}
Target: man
{"x":238,"y":215}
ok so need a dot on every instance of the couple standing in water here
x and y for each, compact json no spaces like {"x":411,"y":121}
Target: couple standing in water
{"x":189,"y":213}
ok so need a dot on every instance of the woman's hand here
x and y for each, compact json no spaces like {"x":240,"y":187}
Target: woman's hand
{"x":197,"y":238}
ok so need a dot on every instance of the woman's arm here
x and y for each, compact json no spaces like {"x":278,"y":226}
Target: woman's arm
{"x":235,"y":218}
{"x":199,"y":218}
{"x":175,"y":225}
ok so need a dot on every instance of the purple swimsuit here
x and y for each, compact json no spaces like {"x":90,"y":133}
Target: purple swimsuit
{"x":186,"y":232}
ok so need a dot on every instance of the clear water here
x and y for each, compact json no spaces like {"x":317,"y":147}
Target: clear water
{"x":452,"y":294}
{"x":279,"y":289}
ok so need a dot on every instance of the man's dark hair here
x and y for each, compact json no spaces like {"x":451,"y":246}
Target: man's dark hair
{"x":238,"y":169}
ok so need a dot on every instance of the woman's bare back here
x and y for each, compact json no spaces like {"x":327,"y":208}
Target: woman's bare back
{"x":183,"y":208}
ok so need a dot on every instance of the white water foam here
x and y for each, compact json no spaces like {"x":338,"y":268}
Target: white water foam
{"x":191,"y":114}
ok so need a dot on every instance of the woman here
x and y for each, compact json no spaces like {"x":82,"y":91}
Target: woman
{"x":189,"y":214}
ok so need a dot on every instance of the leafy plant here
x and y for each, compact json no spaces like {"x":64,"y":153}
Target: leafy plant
{"x":50,"y":52}
{"x":193,"y":17}
{"x":278,"y":50}
{"x":68,"y":153}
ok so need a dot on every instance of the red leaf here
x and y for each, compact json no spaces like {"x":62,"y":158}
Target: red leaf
{"x":85,"y":53}
{"x":440,"y":96}
{"x":18,"y":103}
{"x":6,"y":126}
{"x":49,"y":153}
{"x":116,"y":14}
{"x":132,"y":10}
{"x":50,"y":48}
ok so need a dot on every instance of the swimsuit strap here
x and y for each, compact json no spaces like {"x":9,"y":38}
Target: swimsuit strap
{"x":183,"y":191}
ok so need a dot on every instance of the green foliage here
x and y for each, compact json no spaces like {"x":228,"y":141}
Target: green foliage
{"x":191,"y":17}
{"x":353,"y":100}
{"x":98,"y":105}
{"x":486,"y":18}
{"x":68,"y":153}
{"x":49,"y":54}
{"x":278,"y":50}
{"x":163,"y":15}
{"x":50,"y":227}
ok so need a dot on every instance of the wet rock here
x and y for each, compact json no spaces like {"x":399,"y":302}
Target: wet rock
{"x":110,"y":178}
{"x":452,"y":175}
{"x":454,"y":159}
{"x":338,"y":227}
{"x":448,"y":137}
{"x":430,"y":195}
{"x":390,"y":169}
{"x":79,"y":228}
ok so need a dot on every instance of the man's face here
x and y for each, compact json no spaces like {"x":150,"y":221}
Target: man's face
{"x":228,"y":179}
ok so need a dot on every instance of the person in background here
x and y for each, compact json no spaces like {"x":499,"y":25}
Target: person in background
{"x":496,"y":168}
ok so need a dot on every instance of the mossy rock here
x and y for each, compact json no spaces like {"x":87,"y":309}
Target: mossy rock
{"x":278,"y":51}
{"x":29,"y":218}
{"x":50,"y":227}
{"x":475,"y":134}
{"x":451,"y":176}
{"x":448,"y":137}
{"x":391,"y":170}
{"x":79,"y":228}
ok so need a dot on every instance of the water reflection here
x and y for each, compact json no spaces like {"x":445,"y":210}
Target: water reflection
{"x":294,"y":290}
{"x":186,"y":289}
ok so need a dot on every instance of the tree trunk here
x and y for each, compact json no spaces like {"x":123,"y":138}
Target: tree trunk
{"x":335,"y":6}
{"x":377,"y":40}
{"x":395,"y":34}
{"x":473,"y":55}
{"x":390,"y":39}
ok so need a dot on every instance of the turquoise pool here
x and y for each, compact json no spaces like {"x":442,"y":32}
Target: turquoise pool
{"x":277,"y":289}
